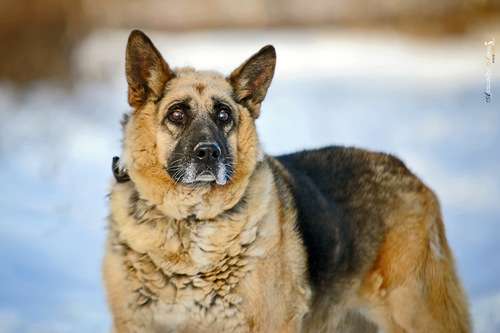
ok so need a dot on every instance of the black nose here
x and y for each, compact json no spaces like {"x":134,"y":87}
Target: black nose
{"x":207,"y":151}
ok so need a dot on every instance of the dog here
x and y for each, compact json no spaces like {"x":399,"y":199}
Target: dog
{"x":207,"y":233}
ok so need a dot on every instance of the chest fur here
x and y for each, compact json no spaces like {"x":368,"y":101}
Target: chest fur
{"x":189,"y":273}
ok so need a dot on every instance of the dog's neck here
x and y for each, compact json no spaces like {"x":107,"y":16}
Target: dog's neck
{"x":190,"y":245}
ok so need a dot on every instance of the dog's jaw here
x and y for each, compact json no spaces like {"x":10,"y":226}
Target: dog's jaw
{"x":190,"y":174}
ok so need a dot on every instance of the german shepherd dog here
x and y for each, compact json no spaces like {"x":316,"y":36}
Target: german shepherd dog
{"x":207,"y":233}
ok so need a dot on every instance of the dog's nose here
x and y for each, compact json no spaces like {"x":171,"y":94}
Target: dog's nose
{"x":207,"y":151}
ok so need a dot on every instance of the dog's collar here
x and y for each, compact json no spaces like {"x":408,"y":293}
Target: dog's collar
{"x":120,"y":173}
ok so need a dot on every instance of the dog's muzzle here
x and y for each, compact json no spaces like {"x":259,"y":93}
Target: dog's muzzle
{"x":205,"y":164}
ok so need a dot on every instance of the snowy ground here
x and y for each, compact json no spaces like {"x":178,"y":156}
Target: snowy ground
{"x":421,"y":100}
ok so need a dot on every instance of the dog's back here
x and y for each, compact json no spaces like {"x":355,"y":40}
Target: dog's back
{"x":374,"y":236}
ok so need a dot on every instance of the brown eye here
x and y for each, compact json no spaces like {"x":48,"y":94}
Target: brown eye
{"x":223,"y":115}
{"x":176,"y":116}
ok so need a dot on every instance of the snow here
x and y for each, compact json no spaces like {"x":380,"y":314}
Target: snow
{"x":421,"y":100}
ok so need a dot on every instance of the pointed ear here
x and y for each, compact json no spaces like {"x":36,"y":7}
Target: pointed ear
{"x":147,"y":72}
{"x":251,"y":80}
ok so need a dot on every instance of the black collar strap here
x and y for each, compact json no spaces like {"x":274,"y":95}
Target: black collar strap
{"x":121,"y":174}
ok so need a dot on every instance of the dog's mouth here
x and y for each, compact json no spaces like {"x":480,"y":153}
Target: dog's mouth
{"x":205,"y":176}
{"x":199,"y":174}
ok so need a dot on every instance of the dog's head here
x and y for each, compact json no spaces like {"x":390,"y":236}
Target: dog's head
{"x":192,"y":129}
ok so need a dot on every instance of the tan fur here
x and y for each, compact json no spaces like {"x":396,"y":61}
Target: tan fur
{"x":229,"y":258}
{"x":170,"y":264}
{"x":413,"y":286}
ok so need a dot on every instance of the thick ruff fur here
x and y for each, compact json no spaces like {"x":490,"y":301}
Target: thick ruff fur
{"x":330,"y":240}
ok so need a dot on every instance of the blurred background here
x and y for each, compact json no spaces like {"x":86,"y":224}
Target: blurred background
{"x":405,"y":77}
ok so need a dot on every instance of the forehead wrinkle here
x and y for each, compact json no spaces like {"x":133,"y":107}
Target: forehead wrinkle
{"x":188,"y":83}
{"x":199,"y":87}
{"x":193,"y":80}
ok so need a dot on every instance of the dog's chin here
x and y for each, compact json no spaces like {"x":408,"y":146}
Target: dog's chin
{"x":205,"y":177}
{"x":193,"y":175}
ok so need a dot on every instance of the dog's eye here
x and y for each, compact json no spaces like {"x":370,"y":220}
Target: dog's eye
{"x":223,"y":114}
{"x":176,"y":116}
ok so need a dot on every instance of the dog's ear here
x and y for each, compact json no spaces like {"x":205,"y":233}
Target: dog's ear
{"x":147,"y":72}
{"x":251,"y":80}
